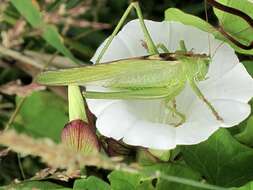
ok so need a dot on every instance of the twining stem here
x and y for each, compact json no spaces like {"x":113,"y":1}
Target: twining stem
{"x":151,"y":46}
{"x":231,"y":10}
{"x":238,"y":13}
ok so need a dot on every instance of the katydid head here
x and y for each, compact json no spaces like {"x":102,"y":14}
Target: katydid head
{"x":202,"y":67}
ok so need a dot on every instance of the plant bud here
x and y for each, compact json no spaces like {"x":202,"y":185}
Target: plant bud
{"x":163,"y":155}
{"x":78,"y":135}
{"x":116,"y":148}
{"x":145,"y":158}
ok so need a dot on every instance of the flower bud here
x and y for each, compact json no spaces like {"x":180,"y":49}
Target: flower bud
{"x":79,"y":136}
{"x":163,"y":155}
{"x":116,"y":148}
{"x":145,"y":158}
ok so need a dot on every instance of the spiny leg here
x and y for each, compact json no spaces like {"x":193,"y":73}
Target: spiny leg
{"x":202,"y":97}
{"x":151,"y":46}
{"x":174,"y":111}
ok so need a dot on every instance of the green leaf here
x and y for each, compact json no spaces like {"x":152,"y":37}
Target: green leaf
{"x":91,"y":183}
{"x":123,"y":180}
{"x":221,"y":160}
{"x":50,"y":33}
{"x":178,"y":170}
{"x":248,"y":186}
{"x":145,"y":185}
{"x":246,"y":135}
{"x":43,"y":114}
{"x":249,"y":66}
{"x":173,"y":14}
{"x":240,"y":29}
{"x":29,"y":11}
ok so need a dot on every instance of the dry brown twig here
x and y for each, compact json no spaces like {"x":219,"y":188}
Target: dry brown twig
{"x":13,"y":36}
{"x":16,"y":88}
{"x":69,"y":18}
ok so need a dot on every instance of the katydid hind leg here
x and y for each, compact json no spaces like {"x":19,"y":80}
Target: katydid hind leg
{"x":150,"y":44}
{"x":204,"y":99}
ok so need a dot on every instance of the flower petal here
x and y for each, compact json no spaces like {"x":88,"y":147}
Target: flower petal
{"x":236,"y":84}
{"x":194,"y":132}
{"x":190,"y":35}
{"x":232,"y":112}
{"x":97,"y":106}
{"x":151,"y":135}
{"x":223,"y":60}
{"x":115,"y":120}
{"x":117,"y":50}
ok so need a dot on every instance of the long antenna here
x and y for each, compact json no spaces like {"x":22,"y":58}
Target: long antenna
{"x":209,"y":41}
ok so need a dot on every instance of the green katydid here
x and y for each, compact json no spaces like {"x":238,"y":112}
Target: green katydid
{"x":149,"y":77}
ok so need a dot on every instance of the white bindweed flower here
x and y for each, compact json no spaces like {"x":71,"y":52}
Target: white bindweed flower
{"x":146,"y":122}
